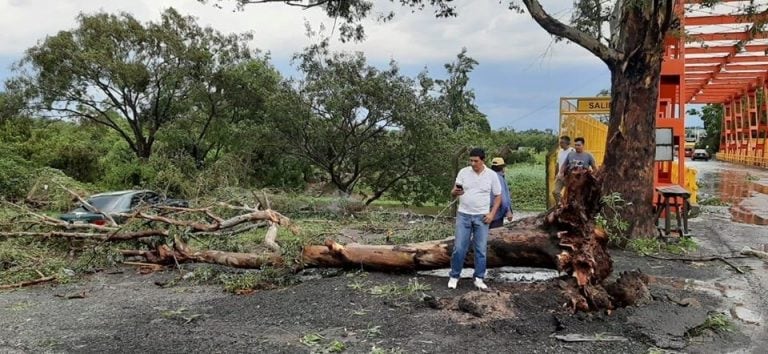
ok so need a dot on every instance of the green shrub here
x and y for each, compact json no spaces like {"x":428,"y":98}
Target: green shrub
{"x":78,"y":162}
{"x":609,"y":219}
{"x":518,"y":157}
{"x":123,"y":170}
{"x":527,"y":184}
{"x":15,"y":176}
{"x":45,"y":190}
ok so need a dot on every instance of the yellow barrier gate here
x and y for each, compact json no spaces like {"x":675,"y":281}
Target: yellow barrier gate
{"x":583,"y":117}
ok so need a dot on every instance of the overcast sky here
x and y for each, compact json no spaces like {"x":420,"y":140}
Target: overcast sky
{"x":521,"y":75}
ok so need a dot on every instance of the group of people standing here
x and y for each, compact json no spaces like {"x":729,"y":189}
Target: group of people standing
{"x":484,"y":203}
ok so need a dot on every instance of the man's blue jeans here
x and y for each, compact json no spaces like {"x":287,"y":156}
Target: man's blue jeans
{"x":469,"y":225}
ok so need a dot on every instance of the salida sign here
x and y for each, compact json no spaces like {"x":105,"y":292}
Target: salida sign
{"x":594,"y":105}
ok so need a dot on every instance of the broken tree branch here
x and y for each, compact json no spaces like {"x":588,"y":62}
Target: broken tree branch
{"x":27,"y":283}
{"x":194,"y":226}
{"x":755,"y":253}
{"x":723,"y":259}
{"x":49,"y":221}
{"x":181,"y":253}
{"x":88,"y":235}
{"x":269,"y":239}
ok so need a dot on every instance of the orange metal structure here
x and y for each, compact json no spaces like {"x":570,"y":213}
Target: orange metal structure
{"x":670,"y":111}
{"x":726,"y":62}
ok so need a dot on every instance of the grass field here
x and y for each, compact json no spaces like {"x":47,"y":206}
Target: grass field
{"x":527,"y":184}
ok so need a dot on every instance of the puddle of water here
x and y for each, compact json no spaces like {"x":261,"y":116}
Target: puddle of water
{"x":746,"y":191}
{"x":502,"y":274}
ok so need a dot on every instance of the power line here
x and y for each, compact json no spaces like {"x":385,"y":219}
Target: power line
{"x":544,"y":106}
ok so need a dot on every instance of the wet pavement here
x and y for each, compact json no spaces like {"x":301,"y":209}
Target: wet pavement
{"x":725,"y":229}
{"x":743,"y":189}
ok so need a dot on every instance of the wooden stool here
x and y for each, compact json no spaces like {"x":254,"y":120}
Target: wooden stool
{"x":675,"y":197}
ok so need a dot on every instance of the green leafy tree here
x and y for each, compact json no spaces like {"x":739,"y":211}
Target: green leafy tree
{"x":712,"y":116}
{"x":359,"y":124}
{"x":226,"y":101}
{"x":10,"y":106}
{"x":457,"y":99}
{"x":131,"y":77}
{"x":537,"y":139}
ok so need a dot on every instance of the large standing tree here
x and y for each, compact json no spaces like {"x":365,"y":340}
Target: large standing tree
{"x":131,"y":77}
{"x":633,"y":52}
{"x":359,"y":124}
{"x":632,"y":49}
{"x":227,"y":100}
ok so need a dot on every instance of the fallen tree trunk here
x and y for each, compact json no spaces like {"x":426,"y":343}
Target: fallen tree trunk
{"x":563,"y":238}
{"x":506,"y":247}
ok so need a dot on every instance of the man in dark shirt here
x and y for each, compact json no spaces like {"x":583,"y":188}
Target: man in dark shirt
{"x":578,"y":159}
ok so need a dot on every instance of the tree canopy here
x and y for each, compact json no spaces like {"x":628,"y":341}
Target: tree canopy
{"x":131,"y":77}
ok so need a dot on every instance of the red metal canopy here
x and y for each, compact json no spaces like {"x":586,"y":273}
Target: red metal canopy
{"x":726,"y":50}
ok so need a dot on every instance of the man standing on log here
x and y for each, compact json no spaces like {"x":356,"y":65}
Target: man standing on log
{"x":473,"y":185}
{"x":565,"y":149}
{"x":578,"y":159}
{"x":497,"y":165}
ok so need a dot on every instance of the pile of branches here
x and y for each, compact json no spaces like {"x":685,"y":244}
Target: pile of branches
{"x":171,"y":223}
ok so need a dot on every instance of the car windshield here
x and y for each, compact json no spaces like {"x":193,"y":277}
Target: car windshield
{"x":105,"y":203}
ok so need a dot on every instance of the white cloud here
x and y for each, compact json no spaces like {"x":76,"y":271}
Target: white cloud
{"x":486,"y":28}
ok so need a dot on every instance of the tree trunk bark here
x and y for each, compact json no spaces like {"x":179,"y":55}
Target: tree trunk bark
{"x":143,"y":147}
{"x":526,"y":246}
{"x":629,"y":166}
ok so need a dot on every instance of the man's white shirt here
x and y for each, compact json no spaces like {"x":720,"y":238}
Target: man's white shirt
{"x":562,"y":155}
{"x":478,"y":188}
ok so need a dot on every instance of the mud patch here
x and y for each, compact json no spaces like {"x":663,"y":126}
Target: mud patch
{"x":478,"y":307}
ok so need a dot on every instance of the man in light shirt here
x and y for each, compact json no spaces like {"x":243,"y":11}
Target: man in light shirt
{"x":565,"y":149}
{"x":473,"y":185}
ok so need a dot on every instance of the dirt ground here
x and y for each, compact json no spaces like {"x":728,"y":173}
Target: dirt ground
{"x":120,"y":310}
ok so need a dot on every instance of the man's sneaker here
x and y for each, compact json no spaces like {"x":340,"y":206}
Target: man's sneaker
{"x":452,"y":283}
{"x":480,"y":285}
